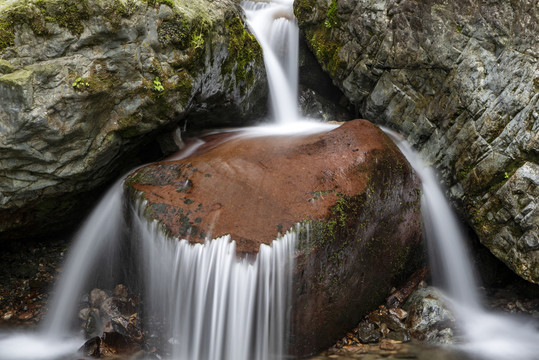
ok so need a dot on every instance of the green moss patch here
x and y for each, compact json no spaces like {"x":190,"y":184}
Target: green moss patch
{"x":331,"y":16}
{"x":303,"y":9}
{"x":243,"y":49}
{"x":326,"y":50}
{"x":169,"y":3}
{"x":69,"y":14}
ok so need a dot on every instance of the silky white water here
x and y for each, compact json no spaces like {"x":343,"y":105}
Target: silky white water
{"x":214,"y":305}
{"x":274,"y":26}
{"x":486,"y":335}
{"x":93,"y":246}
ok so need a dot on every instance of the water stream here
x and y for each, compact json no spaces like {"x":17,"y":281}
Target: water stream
{"x":214,"y":305}
{"x":486,"y":335}
{"x":274,"y":25}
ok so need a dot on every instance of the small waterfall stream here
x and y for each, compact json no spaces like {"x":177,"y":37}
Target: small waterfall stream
{"x":486,"y":335}
{"x":274,"y":25}
{"x":214,"y":305}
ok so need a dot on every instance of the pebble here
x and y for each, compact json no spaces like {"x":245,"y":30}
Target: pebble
{"x":8,"y":315}
{"x":387,"y":344}
{"x":26,"y":316}
{"x":97,"y":297}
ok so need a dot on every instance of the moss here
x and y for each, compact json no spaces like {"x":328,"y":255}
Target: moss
{"x":184,"y":87}
{"x":331,"y":16}
{"x":169,"y":3}
{"x":463,"y":172}
{"x":243,"y":49}
{"x":326,"y":50}
{"x":17,"y":78}
{"x":175,"y":32}
{"x":128,"y":125}
{"x":480,"y":222}
{"x":68,"y":14}
{"x":7,"y":37}
{"x":97,"y":82}
{"x":6,"y":67}
{"x":183,"y":33}
{"x":303,"y":9}
{"x":116,"y":10}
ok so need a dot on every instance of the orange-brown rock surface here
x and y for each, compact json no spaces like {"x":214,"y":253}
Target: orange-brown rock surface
{"x":350,"y":186}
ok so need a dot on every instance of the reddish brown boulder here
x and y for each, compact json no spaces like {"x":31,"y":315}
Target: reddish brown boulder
{"x":351,"y":186}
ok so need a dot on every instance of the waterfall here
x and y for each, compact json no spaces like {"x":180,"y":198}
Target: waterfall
{"x":94,"y":245}
{"x":487,"y":335}
{"x":215,"y":305}
{"x":274,"y":26}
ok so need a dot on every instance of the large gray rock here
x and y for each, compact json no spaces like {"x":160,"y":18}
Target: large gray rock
{"x":460,"y":79}
{"x":84,"y":82}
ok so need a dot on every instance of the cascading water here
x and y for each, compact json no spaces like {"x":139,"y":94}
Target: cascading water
{"x":94,"y":245}
{"x":486,"y":335}
{"x":215,"y":305}
{"x":274,"y":25}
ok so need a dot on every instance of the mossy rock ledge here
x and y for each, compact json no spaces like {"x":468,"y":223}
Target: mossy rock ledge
{"x":350,"y":187}
{"x":86,"y":84}
{"x":460,"y":80}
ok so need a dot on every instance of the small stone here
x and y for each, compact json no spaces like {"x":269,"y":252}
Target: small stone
{"x":26,"y":316}
{"x":401,"y":335}
{"x":367,"y":333}
{"x":8,"y":315}
{"x":84,"y":313}
{"x":384,"y":330}
{"x":93,"y":324}
{"x":91,"y":347}
{"x":391,"y":345}
{"x":97,"y":297}
{"x":401,"y":314}
{"x":121,"y":291}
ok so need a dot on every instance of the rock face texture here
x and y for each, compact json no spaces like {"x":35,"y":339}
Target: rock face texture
{"x":460,"y":79}
{"x":81,"y":82}
{"x":352,"y":191}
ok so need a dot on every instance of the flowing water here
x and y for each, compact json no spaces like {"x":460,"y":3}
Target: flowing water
{"x":274,"y":25}
{"x":486,"y":335}
{"x":215,"y":305}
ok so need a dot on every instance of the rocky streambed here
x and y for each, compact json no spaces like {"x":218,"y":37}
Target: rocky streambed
{"x":385,"y":333}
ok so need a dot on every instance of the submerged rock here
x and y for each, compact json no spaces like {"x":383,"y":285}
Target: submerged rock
{"x":460,"y":79}
{"x":352,"y":191}
{"x":85,"y":84}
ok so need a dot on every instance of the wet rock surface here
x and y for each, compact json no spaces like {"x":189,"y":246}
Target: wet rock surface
{"x":353,"y":192}
{"x":460,"y":79}
{"x":88,"y":87}
{"x":112,"y":323}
